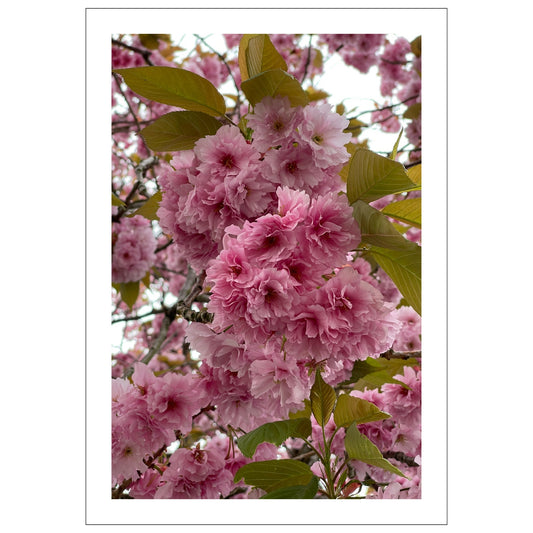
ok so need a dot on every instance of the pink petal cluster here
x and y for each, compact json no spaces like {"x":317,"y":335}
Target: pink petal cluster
{"x":409,"y":336}
{"x":133,"y":249}
{"x":387,"y":120}
{"x":392,"y":65}
{"x":280,"y":307}
{"x":358,"y":50}
{"x":226,"y":181}
{"x":195,"y":474}
{"x":146,"y":414}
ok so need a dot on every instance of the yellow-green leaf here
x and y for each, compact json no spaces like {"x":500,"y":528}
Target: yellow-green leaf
{"x":395,"y":147}
{"x":129,"y":292}
{"x":416,"y":46}
{"x":355,"y":127}
{"x":274,"y":432}
{"x":176,"y":87}
{"x":149,"y":208}
{"x":179,"y":130}
{"x":151,"y":40}
{"x":373,"y":373}
{"x":351,"y":409}
{"x":371,"y":176}
{"x":351,"y":148}
{"x":261,"y":55}
{"x":413,"y":111}
{"x":315,"y":94}
{"x":303,"y":413}
{"x":415,"y":174}
{"x":276,"y":474}
{"x":322,"y":400}
{"x":361,"y":448}
{"x":408,"y":211}
{"x":115,"y":200}
{"x":377,"y":230}
{"x":274,"y":83}
{"x":404,"y":267}
{"x":295,"y":492}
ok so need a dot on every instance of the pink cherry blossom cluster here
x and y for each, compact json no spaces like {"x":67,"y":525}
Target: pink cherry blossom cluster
{"x":226,"y":180}
{"x":146,"y":413}
{"x":133,"y":249}
{"x":279,"y":309}
{"x":358,"y":50}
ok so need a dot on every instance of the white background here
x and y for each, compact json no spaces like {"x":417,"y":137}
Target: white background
{"x":43,"y":268}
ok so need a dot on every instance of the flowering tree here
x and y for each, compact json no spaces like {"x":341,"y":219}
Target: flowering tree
{"x":266,"y":270}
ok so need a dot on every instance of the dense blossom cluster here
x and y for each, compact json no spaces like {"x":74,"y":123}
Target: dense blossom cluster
{"x":259,"y":213}
{"x":226,"y":180}
{"x":134,"y":247}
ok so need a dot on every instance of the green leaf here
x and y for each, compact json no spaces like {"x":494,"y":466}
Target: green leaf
{"x":300,"y":492}
{"x":416,"y":46}
{"x":176,"y":87}
{"x":404,"y":267}
{"x":359,"y":447}
{"x":371,"y":176}
{"x":129,"y":292}
{"x":351,"y":409}
{"x":115,"y":200}
{"x":415,"y":174}
{"x":276,"y":474}
{"x":413,"y":111}
{"x":146,"y":279}
{"x":274,"y":432}
{"x":355,"y":127}
{"x":377,"y":230}
{"x":395,"y":148}
{"x":373,"y":373}
{"x":303,"y":413}
{"x":261,"y":55}
{"x":274,"y":83}
{"x":179,"y":130}
{"x":151,"y":40}
{"x":322,"y":400}
{"x":408,"y":211}
{"x":149,"y":208}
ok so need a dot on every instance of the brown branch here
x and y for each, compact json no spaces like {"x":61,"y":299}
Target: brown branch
{"x":400,"y":456}
{"x":117,"y":79}
{"x":145,"y":53}
{"x":391,"y":354}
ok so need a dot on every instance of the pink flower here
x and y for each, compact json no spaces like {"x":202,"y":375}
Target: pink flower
{"x":133,"y":249}
{"x":210,"y":67}
{"x":330,"y":230}
{"x":173,"y":399}
{"x":225,"y":153}
{"x":322,"y":130}
{"x":274,"y":122}
{"x":408,"y":338}
{"x":404,"y":404}
{"x":279,"y":377}
{"x":293,"y":166}
{"x":195,"y":474}
{"x":387,"y":120}
{"x":220,"y":350}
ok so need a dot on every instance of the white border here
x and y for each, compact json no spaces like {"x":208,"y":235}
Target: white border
{"x":432,"y":508}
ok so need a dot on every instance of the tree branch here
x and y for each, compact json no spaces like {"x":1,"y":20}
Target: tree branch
{"x":145,"y":53}
{"x":391,"y":354}
{"x":400,"y":456}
